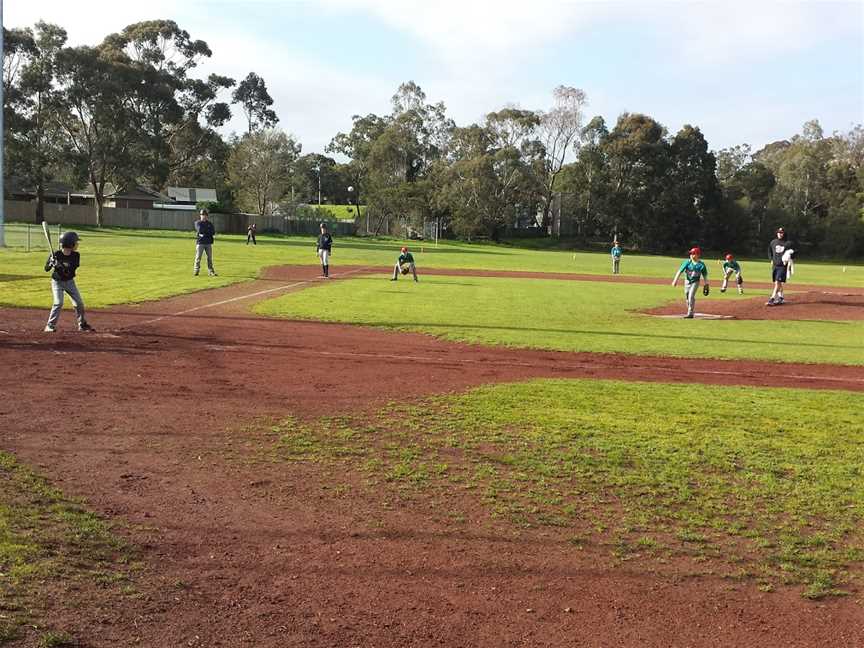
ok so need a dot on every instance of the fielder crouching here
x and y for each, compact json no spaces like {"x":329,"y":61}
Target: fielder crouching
{"x":404,"y":264}
{"x":731,"y":266}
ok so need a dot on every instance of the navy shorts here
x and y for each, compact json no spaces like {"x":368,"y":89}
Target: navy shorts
{"x":779,"y":274}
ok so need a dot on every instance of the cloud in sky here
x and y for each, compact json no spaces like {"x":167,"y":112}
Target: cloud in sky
{"x":720,"y":65}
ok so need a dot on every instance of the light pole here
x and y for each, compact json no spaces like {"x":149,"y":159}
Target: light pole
{"x":318,"y":169}
{"x":2,"y":183}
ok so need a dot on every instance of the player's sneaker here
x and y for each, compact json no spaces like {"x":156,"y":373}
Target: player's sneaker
{"x":49,"y":328}
{"x":84,"y":327}
{"x":688,"y":316}
{"x":212,"y":274}
{"x":740,"y":291}
{"x":722,"y":290}
{"x":779,"y":300}
{"x":771,"y":302}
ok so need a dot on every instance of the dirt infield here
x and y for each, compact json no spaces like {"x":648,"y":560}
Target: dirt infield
{"x":812,"y":305}
{"x":145,"y":420}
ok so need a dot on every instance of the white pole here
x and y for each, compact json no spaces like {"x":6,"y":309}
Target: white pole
{"x":2,"y":103}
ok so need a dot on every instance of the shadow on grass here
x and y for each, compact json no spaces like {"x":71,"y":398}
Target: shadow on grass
{"x":14,"y":277}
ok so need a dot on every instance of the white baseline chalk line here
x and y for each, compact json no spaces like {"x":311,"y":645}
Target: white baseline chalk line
{"x":234,"y":299}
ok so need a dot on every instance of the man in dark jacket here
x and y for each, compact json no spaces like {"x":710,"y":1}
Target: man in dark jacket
{"x":204,"y":235}
{"x":779,"y":246}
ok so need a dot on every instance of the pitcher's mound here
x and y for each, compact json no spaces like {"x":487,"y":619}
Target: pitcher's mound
{"x":814,"y":305}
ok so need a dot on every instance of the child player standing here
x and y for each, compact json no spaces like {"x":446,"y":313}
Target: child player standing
{"x":324,"y":248}
{"x":64,"y":262}
{"x":730,"y":266}
{"x":616,"y":252}
{"x":694,"y":270}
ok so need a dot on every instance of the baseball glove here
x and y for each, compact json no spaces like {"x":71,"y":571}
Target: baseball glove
{"x":405,"y":268}
{"x":706,"y":290}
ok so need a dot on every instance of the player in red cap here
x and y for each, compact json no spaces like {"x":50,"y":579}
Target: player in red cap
{"x":404,"y":264}
{"x":694,"y":270}
{"x":730,"y":266}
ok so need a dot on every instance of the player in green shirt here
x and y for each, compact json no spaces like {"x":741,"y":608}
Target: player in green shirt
{"x":730,"y":266}
{"x":404,"y":264}
{"x":694,"y":270}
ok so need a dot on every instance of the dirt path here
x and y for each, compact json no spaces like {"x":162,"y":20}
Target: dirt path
{"x":134,"y":419}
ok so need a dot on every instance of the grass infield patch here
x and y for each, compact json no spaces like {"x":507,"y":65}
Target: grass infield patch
{"x":48,"y":542}
{"x":750,"y":483}
{"x":567,"y":316}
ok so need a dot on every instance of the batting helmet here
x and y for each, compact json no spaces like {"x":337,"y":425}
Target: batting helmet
{"x":69,"y":239}
{"x":730,"y":257}
{"x":404,"y":250}
{"x":695,"y":251}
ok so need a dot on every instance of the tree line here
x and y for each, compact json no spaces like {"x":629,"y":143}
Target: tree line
{"x":132,"y":111}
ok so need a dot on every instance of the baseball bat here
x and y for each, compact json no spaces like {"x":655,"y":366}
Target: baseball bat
{"x":47,"y":236}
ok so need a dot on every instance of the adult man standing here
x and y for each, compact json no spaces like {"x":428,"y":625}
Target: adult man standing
{"x":204,"y":235}
{"x":778,"y":266}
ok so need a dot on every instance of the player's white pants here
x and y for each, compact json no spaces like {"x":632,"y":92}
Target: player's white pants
{"x":738,"y":279}
{"x":690,"y":290}
{"x":325,"y":257}
{"x":397,"y":270}
{"x":616,"y":264}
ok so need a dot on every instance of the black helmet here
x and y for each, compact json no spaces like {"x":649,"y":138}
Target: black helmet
{"x":69,"y":239}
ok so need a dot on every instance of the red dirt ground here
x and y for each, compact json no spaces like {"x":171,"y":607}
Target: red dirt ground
{"x":813,"y":305}
{"x":143,"y":420}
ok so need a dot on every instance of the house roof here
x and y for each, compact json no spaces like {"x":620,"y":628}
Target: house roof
{"x":136,"y":193}
{"x":192,"y":194}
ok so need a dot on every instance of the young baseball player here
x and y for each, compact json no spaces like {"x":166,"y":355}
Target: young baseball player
{"x":405,"y":260}
{"x":694,"y":270}
{"x":730,"y":266}
{"x":250,"y":234}
{"x":616,"y":253}
{"x":324,"y":247}
{"x":778,"y":248}
{"x":205,"y":233}
{"x":64,"y":262}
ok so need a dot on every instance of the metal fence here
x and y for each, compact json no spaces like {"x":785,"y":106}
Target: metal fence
{"x":25,"y":212}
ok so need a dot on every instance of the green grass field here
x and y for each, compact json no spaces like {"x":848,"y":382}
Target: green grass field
{"x":123,"y":266}
{"x":735,"y":478}
{"x":566,"y":316}
{"x":46,"y":537}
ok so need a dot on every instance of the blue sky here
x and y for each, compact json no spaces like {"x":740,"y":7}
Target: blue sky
{"x":749,"y":72}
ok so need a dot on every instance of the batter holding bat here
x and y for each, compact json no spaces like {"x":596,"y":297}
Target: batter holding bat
{"x":404,"y":265}
{"x":63,"y":264}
